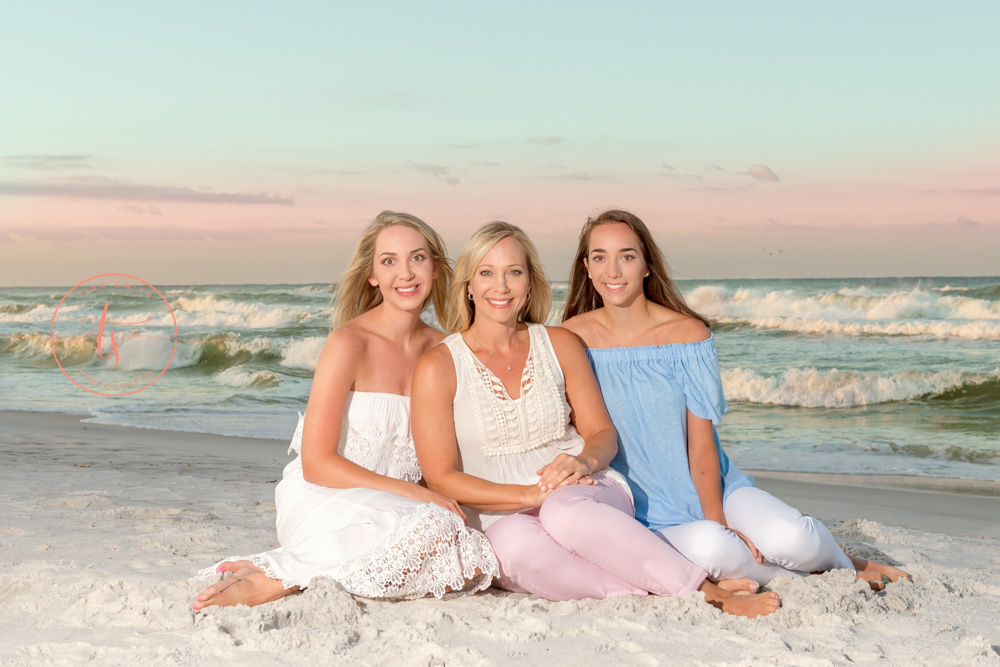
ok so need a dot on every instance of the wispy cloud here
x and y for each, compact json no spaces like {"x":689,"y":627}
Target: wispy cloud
{"x":667,"y":167}
{"x":760,"y":173}
{"x":713,"y":167}
{"x":47,"y":162}
{"x":442,"y":173}
{"x":106,"y":188}
{"x":544,"y":141}
{"x":581,"y":176}
{"x":140,"y":210}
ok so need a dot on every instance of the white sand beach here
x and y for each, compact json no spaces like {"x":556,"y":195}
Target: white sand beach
{"x":103,"y":527}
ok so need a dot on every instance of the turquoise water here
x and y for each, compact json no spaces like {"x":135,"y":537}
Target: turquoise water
{"x":887,"y":376}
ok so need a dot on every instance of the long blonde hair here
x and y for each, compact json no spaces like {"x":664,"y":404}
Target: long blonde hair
{"x":658,"y":287}
{"x":355,"y":295}
{"x":461,"y":311}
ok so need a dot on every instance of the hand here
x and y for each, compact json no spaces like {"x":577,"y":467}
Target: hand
{"x":563,"y":471}
{"x":750,"y":545}
{"x":425,"y":495}
{"x":535,"y":495}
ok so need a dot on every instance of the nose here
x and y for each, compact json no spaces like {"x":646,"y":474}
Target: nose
{"x":502,"y":286}
{"x":407,"y":271}
{"x":614,"y":269}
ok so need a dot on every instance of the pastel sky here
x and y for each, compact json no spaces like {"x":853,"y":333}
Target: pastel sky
{"x":249,"y":142}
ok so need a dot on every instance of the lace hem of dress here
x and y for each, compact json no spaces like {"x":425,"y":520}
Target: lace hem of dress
{"x":433,"y":552}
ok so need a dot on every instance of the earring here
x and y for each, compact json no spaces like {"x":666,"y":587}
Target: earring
{"x":647,"y":274}
{"x":469,"y":294}
{"x":590,"y":276}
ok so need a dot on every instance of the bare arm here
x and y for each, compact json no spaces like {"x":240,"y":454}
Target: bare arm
{"x":589,"y":415}
{"x":433,"y":421}
{"x":703,"y":459}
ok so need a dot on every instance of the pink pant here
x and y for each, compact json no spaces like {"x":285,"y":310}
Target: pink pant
{"x":583,"y":542}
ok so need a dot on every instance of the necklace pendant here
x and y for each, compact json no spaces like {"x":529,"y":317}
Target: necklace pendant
{"x":508,"y":366}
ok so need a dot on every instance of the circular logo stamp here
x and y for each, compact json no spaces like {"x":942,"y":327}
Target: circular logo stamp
{"x":113,"y":335}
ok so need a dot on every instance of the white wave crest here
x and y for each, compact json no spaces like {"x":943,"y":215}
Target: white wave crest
{"x":852,"y":311}
{"x":210,"y":311}
{"x":40,"y":313}
{"x":303,"y":353}
{"x":254,"y":346}
{"x":812,"y":388}
{"x":240,"y":378}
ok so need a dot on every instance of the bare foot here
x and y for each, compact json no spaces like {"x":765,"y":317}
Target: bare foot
{"x":744,"y":585}
{"x":751,"y":606}
{"x":890,"y":572}
{"x":246,"y":584}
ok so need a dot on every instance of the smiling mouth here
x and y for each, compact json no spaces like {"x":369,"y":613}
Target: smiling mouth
{"x":499,"y":303}
{"x":615,"y":287}
{"x":409,"y":290}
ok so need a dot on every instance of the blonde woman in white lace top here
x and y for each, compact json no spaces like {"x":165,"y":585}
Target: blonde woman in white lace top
{"x":349,"y":506}
{"x":509,"y":420}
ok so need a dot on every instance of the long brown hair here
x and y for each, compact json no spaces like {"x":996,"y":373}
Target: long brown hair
{"x":355,"y":295}
{"x":658,"y":287}
{"x":461,"y":311}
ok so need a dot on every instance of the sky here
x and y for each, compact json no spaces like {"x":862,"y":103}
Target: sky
{"x":250,"y":142}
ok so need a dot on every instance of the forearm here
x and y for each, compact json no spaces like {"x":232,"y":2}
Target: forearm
{"x":599,"y":449}
{"x":707,"y":479}
{"x":481,"y":494}
{"x":336,"y":472}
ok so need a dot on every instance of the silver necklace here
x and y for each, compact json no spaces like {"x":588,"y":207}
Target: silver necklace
{"x":517,"y":341}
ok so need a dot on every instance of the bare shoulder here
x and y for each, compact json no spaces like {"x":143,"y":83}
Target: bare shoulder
{"x":673,"y":327}
{"x":435,"y":365}
{"x":585,"y":325}
{"x":564,"y":341}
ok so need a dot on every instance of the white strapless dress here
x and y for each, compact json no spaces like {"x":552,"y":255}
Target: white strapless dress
{"x":374,"y":543}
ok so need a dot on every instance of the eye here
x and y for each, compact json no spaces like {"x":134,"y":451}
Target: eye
{"x":419,"y":258}
{"x":516,"y":272}
{"x":597,"y":258}
{"x":388,"y":261}
{"x":486,"y":272}
{"x":628,"y":258}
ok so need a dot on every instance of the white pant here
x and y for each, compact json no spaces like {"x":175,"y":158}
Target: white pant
{"x":792,"y":544}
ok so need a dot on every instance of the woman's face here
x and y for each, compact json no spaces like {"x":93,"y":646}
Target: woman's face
{"x":615,"y":264}
{"x":402,"y":268}
{"x":500,"y":284}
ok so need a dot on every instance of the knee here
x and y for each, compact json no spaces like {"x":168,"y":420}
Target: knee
{"x":714,"y":549}
{"x":511,"y":539}
{"x":791,"y":539}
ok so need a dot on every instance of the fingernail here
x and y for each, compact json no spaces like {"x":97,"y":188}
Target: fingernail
{"x":220,"y":569}
{"x":194,"y":607}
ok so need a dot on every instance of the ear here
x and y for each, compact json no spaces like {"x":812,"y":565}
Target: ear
{"x":437,"y":270}
{"x":372,"y":281}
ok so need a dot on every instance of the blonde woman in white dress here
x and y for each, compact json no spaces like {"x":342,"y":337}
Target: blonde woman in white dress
{"x":350,"y":505}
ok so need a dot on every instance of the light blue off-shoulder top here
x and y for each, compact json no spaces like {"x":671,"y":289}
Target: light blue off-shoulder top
{"x":648,"y":391}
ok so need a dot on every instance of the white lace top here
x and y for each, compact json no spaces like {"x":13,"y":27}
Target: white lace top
{"x":376,"y":435}
{"x":506,"y":440}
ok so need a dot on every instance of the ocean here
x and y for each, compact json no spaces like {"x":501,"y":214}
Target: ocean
{"x":885,"y":376}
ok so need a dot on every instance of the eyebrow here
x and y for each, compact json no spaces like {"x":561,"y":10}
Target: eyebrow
{"x":509,"y":266}
{"x":603,"y":250}
{"x":392,"y":254}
